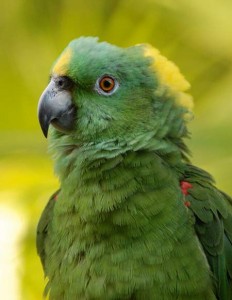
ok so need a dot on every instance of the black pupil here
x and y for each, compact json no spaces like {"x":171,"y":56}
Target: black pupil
{"x":107,"y":83}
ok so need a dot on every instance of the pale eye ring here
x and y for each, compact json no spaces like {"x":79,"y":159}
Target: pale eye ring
{"x":106,"y":85}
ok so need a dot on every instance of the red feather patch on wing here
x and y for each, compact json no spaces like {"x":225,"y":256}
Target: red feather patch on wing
{"x":185,"y":186}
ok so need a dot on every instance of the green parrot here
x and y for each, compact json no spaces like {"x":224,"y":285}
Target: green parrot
{"x":133,"y":218}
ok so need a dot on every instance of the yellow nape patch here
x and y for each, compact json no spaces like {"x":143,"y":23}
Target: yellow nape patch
{"x":61,"y":66}
{"x":170,"y":76}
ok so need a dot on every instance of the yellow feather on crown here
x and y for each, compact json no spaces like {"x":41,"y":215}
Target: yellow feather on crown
{"x":61,"y":66}
{"x":170,"y":77}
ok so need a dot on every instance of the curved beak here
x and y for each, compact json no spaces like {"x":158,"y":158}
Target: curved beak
{"x":56,"y":107}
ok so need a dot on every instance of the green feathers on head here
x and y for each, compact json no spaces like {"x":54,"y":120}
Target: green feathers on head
{"x":149,"y":97}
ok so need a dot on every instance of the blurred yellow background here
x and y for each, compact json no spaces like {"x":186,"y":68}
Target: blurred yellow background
{"x":196,"y":35}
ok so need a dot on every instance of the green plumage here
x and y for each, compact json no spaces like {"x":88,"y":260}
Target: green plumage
{"x":119,"y":227}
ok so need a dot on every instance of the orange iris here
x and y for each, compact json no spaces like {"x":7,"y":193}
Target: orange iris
{"x":107,"y":84}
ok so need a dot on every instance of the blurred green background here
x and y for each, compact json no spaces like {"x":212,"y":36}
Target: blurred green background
{"x":196,"y":35}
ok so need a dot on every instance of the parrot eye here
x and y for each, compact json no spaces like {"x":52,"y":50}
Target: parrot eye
{"x":106,"y":85}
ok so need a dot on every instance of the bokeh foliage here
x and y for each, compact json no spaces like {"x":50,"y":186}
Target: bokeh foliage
{"x":196,"y":35}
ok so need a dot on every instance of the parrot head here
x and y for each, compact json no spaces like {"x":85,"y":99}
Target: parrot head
{"x":99,"y":92}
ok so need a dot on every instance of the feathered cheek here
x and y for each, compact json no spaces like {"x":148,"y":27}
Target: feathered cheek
{"x":94,"y":123}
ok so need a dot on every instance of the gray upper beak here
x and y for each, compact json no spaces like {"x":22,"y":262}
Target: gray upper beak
{"x":56,"y":107}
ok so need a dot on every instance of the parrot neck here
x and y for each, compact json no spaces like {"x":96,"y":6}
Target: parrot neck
{"x":83,"y":157}
{"x":100,"y":178}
